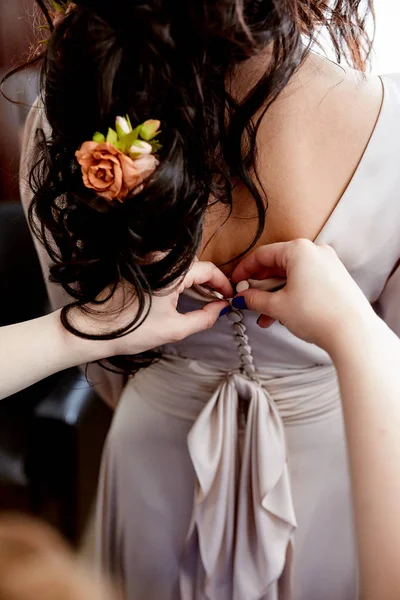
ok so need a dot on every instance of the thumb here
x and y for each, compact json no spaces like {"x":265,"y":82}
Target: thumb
{"x":199,"y":320}
{"x":265,"y":303}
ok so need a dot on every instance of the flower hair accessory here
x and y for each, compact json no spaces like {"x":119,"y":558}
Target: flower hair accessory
{"x":118,"y":164}
{"x":60,"y":9}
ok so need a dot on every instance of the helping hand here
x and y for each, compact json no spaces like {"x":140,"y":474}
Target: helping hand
{"x":164,"y":323}
{"x":320,"y":300}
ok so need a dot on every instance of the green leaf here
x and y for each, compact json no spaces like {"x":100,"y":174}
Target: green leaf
{"x":99,"y":137}
{"x":120,"y":132}
{"x":129,"y":121}
{"x":112,"y":136}
{"x":136,"y":132}
{"x":125,"y":142}
{"x":149,"y":129}
{"x":61,"y":5}
{"x":57,"y":6}
{"x":156,"y":146}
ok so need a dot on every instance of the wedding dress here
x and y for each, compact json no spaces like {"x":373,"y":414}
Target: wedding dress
{"x":225,"y":473}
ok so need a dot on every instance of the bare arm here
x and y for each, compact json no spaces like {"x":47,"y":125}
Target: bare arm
{"x":368,"y":368}
{"x":34,"y":349}
{"x":323,"y":305}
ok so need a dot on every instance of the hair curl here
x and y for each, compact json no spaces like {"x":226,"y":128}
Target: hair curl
{"x":170,"y":60}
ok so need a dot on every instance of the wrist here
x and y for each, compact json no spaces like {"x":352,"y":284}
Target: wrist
{"x":354,"y":335}
{"x":76,"y":350}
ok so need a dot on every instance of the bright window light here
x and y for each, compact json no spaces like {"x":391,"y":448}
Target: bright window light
{"x":386,"y":57}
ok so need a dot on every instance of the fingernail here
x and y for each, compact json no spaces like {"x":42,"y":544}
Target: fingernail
{"x":239,"y":303}
{"x":225,"y":311}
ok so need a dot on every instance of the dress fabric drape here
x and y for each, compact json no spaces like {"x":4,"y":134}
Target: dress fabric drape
{"x":225,"y":473}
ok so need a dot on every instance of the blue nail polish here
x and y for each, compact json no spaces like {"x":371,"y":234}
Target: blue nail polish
{"x":225,"y":311}
{"x":239,"y":303}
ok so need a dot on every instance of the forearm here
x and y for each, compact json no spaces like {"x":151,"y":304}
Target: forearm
{"x":35,"y":349}
{"x":368,"y":366}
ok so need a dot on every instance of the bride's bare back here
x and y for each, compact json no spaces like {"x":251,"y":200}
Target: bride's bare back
{"x":310,"y":144}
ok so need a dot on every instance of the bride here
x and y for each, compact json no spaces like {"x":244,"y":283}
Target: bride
{"x":225,"y":473}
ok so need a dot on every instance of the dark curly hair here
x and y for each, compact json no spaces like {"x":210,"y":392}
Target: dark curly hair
{"x":170,"y":60}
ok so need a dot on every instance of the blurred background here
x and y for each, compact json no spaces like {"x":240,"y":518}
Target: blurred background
{"x":51,"y":435}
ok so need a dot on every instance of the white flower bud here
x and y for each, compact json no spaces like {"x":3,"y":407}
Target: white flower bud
{"x":123,"y":125}
{"x":140,"y":148}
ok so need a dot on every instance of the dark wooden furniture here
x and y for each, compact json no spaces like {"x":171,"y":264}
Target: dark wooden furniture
{"x":18,"y":40}
{"x":52,"y":434}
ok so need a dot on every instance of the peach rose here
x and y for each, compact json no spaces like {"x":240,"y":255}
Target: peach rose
{"x":111,"y":173}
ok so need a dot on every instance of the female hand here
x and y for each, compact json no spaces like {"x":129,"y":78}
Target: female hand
{"x":320,"y":300}
{"x":44,"y":346}
{"x":164,"y":323}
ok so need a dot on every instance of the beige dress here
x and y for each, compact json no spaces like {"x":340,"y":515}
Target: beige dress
{"x":225,"y":473}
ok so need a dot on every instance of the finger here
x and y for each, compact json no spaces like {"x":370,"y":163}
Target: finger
{"x":269,"y":273}
{"x":264,"y":322}
{"x":267,"y":285}
{"x":264,"y":262}
{"x":207,"y":273}
{"x":265,"y":303}
{"x":199,"y":320}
